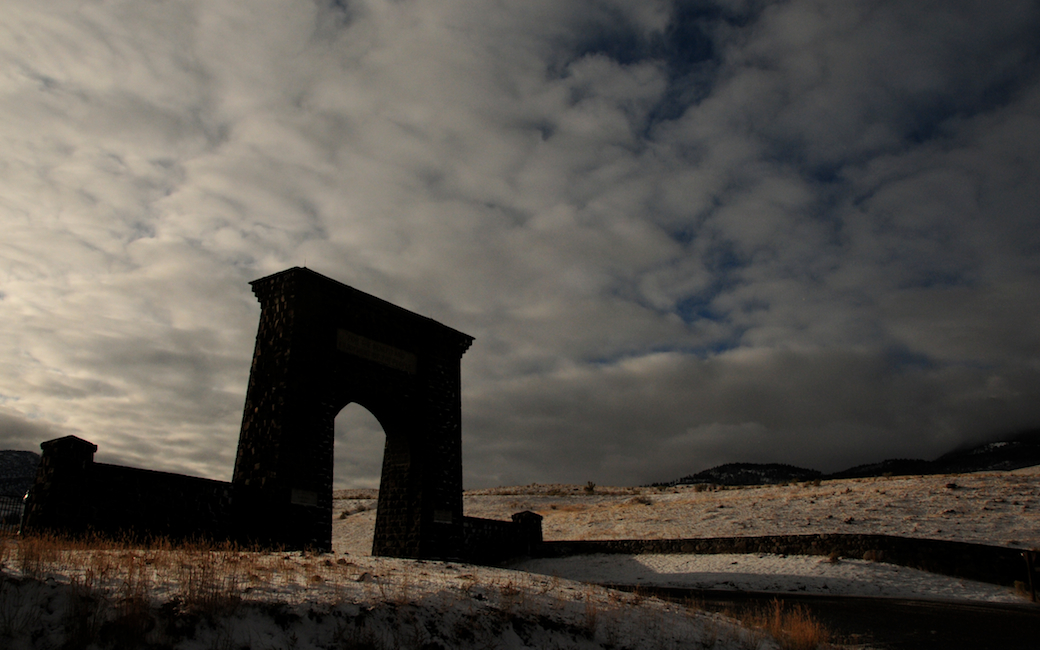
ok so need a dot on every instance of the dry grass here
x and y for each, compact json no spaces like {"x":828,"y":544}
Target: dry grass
{"x":34,"y":554}
{"x":569,"y":507}
{"x":793,"y":628}
{"x":210,"y":581}
{"x":592,"y":611}
{"x":114,"y":585}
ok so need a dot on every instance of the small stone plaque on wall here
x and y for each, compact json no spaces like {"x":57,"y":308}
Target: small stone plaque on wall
{"x":303,"y":497}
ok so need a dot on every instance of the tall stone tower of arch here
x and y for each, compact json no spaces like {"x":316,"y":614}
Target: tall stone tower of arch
{"x":320,"y":346}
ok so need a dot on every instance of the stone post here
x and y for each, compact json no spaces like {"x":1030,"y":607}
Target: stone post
{"x":57,"y":498}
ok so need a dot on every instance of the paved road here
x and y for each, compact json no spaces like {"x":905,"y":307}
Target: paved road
{"x":891,"y":623}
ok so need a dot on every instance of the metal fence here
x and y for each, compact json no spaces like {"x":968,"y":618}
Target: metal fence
{"x":10,"y":514}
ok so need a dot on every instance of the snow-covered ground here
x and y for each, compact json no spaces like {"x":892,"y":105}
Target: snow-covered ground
{"x":996,"y":508}
{"x":266,"y":601}
{"x":348,"y":599}
{"x":780,"y":574}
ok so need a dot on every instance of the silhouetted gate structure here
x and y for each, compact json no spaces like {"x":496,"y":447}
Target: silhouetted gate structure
{"x":320,"y":346}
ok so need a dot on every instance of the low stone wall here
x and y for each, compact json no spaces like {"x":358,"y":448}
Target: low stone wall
{"x":992,"y":564}
{"x":489,"y":541}
{"x":73,"y":495}
{"x":129,"y":500}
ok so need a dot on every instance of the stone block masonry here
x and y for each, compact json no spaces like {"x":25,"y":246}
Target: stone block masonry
{"x":489,"y":541}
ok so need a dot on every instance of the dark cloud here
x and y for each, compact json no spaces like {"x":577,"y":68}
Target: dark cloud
{"x":24,"y":434}
{"x":683,"y":233}
{"x":649,"y":418}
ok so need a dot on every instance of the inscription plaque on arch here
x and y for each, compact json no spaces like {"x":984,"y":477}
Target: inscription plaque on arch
{"x":385,"y":355}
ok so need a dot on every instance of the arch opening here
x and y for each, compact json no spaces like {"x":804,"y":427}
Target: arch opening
{"x":357,"y":467}
{"x":358,"y":449}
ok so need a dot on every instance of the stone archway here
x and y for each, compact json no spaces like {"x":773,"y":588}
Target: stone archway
{"x":320,"y":346}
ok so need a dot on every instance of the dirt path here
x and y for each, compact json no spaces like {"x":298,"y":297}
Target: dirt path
{"x":890,"y":623}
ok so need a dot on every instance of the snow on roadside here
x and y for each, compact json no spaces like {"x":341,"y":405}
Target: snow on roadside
{"x":781,"y":574}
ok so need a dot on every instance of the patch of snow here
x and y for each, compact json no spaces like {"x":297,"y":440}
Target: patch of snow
{"x":781,"y":574}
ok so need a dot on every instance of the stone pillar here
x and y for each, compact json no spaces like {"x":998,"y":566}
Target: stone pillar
{"x":530,"y":527}
{"x":57,"y":498}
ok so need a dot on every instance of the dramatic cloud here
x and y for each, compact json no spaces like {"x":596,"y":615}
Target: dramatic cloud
{"x":682,"y":233}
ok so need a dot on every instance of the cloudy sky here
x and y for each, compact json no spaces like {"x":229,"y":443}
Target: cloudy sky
{"x":683,"y":233}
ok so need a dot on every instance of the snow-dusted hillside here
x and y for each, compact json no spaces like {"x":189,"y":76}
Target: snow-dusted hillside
{"x":230,"y":598}
{"x":998,"y":508}
{"x":995,"y":508}
{"x":198,"y":599}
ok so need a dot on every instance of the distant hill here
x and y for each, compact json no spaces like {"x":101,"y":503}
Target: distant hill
{"x":890,"y":467}
{"x":750,"y":474}
{"x":17,"y":472}
{"x":1013,"y":452}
